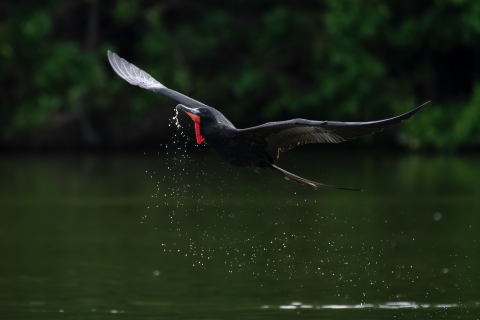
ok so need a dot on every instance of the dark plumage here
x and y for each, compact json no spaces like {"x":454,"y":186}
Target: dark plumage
{"x":260,"y":146}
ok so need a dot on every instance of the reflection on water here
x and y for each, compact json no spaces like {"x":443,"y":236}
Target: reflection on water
{"x":387,"y":305}
{"x":183,"y":235}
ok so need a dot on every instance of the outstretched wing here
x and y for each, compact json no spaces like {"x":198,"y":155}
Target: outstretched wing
{"x":138,"y":77}
{"x":133,"y":75}
{"x":285,"y":135}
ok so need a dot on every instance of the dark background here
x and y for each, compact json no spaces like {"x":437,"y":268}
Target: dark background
{"x":255,"y":61}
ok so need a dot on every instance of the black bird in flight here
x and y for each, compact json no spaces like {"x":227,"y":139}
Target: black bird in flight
{"x":260,"y":146}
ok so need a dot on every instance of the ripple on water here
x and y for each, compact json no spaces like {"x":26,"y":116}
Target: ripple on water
{"x":386,"y":305}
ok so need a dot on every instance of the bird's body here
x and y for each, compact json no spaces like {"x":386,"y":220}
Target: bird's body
{"x":260,"y":146}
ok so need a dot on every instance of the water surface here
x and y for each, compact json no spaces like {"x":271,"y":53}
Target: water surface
{"x":182,"y":235}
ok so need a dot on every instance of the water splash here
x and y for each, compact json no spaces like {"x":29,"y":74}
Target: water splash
{"x":386,"y":305}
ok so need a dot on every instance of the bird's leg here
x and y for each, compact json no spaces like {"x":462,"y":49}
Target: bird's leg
{"x":254,"y":168}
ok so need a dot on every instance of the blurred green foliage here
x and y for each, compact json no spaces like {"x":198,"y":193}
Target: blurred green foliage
{"x":255,"y":61}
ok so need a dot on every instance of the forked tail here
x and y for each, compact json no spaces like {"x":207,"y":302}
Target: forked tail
{"x":305,"y":182}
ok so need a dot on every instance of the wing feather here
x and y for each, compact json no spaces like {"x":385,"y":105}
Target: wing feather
{"x":285,"y":135}
{"x":137,"y":77}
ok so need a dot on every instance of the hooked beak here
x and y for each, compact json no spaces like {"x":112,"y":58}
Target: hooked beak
{"x":192,"y":112}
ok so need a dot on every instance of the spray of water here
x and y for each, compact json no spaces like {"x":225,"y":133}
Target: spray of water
{"x":179,"y":180}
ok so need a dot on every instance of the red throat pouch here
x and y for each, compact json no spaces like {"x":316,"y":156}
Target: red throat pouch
{"x":197,"y":132}
{"x":196,"y":120}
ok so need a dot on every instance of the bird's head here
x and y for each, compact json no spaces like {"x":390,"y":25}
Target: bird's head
{"x":199,"y":115}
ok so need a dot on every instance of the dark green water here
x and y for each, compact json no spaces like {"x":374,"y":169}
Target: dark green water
{"x":175,"y":236}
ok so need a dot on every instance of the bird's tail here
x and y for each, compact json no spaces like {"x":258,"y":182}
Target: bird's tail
{"x":305,"y":182}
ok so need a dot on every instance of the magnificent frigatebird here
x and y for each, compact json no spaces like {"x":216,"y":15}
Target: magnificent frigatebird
{"x":260,"y":146}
